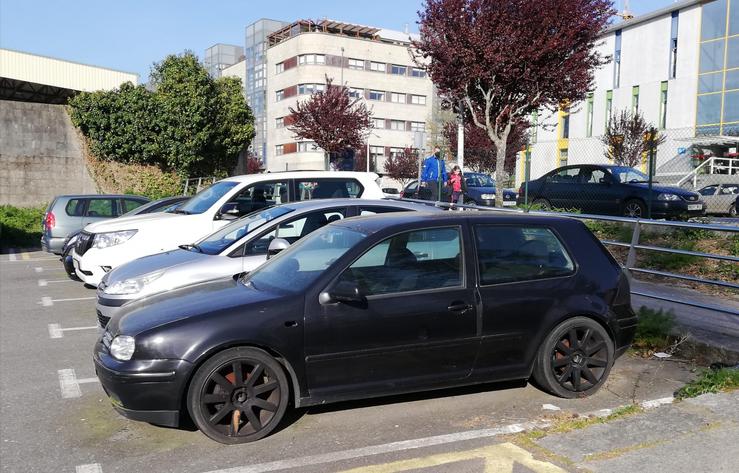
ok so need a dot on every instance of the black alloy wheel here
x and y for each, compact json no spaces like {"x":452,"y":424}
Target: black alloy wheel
{"x":238,"y":396}
{"x":575,"y":359}
{"x":634,"y":208}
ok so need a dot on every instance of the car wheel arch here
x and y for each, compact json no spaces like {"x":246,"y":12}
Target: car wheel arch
{"x":295,"y":390}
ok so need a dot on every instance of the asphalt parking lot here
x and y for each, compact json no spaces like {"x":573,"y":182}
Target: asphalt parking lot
{"x":56,"y":417}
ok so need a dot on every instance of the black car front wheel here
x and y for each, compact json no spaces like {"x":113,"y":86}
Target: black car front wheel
{"x":634,"y":208}
{"x":575,"y":359}
{"x":238,"y":396}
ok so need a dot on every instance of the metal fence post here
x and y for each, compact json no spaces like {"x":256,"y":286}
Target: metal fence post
{"x":187,"y":184}
{"x":631,"y":257}
{"x":526,"y":177}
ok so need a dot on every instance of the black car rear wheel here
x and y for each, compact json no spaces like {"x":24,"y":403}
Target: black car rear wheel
{"x":634,"y":208}
{"x":575,"y":359}
{"x":239,"y":395}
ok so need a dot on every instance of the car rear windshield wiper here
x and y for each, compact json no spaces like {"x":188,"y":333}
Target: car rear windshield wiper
{"x":191,"y":248}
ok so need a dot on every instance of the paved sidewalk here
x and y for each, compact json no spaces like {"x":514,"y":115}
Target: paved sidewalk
{"x":694,"y":435}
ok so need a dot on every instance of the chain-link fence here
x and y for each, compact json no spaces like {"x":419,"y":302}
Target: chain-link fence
{"x":682,"y":175}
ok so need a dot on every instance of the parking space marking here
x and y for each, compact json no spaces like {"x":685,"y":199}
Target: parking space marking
{"x":384,"y":448}
{"x":11,"y":254}
{"x":89,"y":468}
{"x":42,"y":283}
{"x":47,"y":301}
{"x":26,"y":260}
{"x":38,"y":269}
{"x":56,"y":330}
{"x":68,"y":384}
{"x":25,"y":256}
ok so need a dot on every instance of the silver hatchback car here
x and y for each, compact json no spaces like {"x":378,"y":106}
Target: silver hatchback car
{"x":236,"y":248}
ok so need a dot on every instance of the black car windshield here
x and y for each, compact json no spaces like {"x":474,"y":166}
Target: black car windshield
{"x":226,"y":236}
{"x":479,"y":180}
{"x":291,"y":271}
{"x":624,"y":175}
{"x":205,"y":199}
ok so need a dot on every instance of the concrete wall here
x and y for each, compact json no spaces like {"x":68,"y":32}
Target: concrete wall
{"x":40,"y":154}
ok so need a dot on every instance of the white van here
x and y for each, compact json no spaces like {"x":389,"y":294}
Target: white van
{"x":105,"y":245}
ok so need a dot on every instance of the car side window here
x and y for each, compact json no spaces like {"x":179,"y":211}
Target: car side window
{"x":101,"y":208}
{"x":294,"y":230}
{"x":729,"y":189}
{"x":564,"y":176}
{"x":379,"y":210}
{"x":75,"y":207}
{"x":411,"y":261}
{"x":332,"y":188}
{"x":130,"y":204}
{"x":259,"y":196}
{"x":593,"y":176}
{"x":708,"y":190}
{"x":512,"y":253}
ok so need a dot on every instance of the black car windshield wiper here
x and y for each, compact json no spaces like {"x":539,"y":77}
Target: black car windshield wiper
{"x":180,"y":211}
{"x":191,"y":248}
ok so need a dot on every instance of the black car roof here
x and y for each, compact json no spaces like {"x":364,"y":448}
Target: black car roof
{"x":374,"y":223}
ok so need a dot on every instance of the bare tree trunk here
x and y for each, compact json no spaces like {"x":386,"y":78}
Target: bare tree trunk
{"x":500,"y":172}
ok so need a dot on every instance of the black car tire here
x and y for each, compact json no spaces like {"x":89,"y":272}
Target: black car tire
{"x":632,"y":206}
{"x":243,"y":387}
{"x":544,"y":204}
{"x":575,"y":358}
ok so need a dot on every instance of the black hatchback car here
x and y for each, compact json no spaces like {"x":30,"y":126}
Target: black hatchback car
{"x":610,"y":190}
{"x":372,"y":306}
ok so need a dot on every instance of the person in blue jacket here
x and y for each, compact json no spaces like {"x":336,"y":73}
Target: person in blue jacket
{"x":433,"y":173}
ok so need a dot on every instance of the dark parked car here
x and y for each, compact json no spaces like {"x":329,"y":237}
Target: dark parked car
{"x":480,"y":191}
{"x":372,"y":306}
{"x":68,"y":214}
{"x":610,"y":190}
{"x":165,"y":204}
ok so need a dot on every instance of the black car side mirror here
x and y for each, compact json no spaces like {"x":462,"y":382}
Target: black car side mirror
{"x":344,"y":291}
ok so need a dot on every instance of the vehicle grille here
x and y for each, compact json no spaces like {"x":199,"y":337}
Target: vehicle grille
{"x":84,"y":242}
{"x":103,"y":320}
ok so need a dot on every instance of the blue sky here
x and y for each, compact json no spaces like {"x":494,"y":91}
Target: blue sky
{"x":130,"y":35}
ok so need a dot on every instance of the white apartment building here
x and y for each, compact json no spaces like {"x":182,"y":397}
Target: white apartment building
{"x":375,"y":65}
{"x":679,"y":66}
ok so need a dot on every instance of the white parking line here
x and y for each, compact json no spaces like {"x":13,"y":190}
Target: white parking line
{"x":61,"y":280}
{"x":11,"y":255}
{"x":380,"y":449}
{"x":38,"y":269}
{"x":42,"y":283}
{"x":47,"y":301}
{"x":56,"y":330}
{"x":89,"y":468}
{"x":68,"y":384}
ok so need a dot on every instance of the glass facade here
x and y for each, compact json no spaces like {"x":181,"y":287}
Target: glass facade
{"x":221,"y":56}
{"x":256,"y":79}
{"x":718,"y":80}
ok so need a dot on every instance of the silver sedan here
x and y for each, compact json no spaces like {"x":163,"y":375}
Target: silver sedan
{"x":720,"y":198}
{"x":236,"y":248}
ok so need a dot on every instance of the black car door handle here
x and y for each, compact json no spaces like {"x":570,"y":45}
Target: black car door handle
{"x":460,"y":307}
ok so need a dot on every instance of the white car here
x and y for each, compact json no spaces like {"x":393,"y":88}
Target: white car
{"x":106,"y":245}
{"x":239,"y":247}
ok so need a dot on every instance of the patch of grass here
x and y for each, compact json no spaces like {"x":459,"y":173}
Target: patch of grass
{"x":20,"y":227}
{"x":610,"y":230}
{"x":654,"y":329}
{"x":577,"y":423}
{"x":710,"y":381}
{"x":617,"y":452}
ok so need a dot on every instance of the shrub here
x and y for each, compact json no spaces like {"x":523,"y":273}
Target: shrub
{"x":711,"y":381}
{"x":20,"y":227}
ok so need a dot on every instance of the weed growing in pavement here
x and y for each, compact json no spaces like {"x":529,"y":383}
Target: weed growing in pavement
{"x":710,"y":381}
{"x":567,"y":423}
{"x":654,"y":330}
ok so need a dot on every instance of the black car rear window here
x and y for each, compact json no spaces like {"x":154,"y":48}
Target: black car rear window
{"x":516,"y":253}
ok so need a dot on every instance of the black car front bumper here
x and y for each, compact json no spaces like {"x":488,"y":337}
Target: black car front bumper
{"x":676,"y":208}
{"x":144,"y":390}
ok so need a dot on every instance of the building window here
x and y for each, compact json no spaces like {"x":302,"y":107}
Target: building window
{"x":416,"y":72}
{"x":563,"y":155}
{"x":673,"y":45}
{"x":663,"y":105}
{"x":377,"y":95}
{"x":357,"y":64}
{"x":378,"y":66}
{"x":418,"y":99}
{"x":304,"y":59}
{"x":395,"y":152}
{"x":589,"y":116}
{"x":398,"y":70}
{"x":609,"y":107}
{"x":397,"y":98}
{"x":279,"y":95}
{"x":378,"y":123}
{"x":377,"y":152}
{"x":355,"y":93}
{"x":418,"y":126}
{"x":309,"y":89}
{"x":280,"y":122}
{"x":397,"y":125}
{"x":713,"y":20}
{"x":617,"y":61}
{"x":306,"y":146}
{"x":279,"y":150}
{"x":635,"y":99}
{"x":565,"y":115}
{"x":279,"y":68}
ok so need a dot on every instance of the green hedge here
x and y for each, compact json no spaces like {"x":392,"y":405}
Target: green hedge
{"x":20,"y":227}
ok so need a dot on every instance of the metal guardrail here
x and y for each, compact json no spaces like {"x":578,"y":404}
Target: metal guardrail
{"x":634,"y":245}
